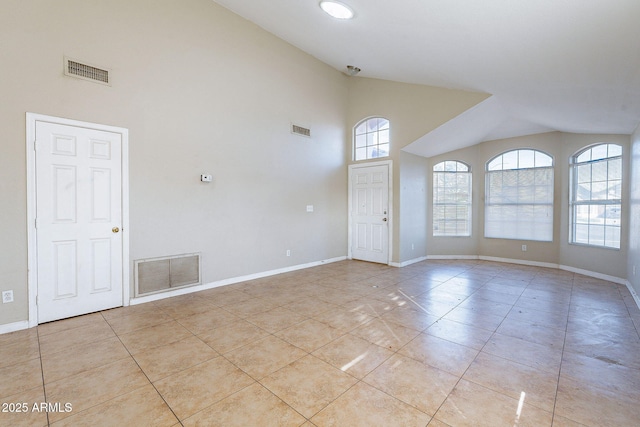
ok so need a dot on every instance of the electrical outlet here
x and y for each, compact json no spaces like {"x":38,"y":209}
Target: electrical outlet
{"x":524,"y":248}
{"x":288,"y":252}
{"x":7,"y":296}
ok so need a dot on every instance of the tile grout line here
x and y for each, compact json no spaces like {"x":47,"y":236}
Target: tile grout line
{"x":564,"y":343}
{"x":44,"y":387}
{"x":143,"y":372}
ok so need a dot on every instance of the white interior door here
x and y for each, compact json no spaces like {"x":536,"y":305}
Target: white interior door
{"x":78,"y":220}
{"x":370,"y":213}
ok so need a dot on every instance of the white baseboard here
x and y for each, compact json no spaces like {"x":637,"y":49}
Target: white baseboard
{"x":634,"y":294}
{"x":518,"y":261}
{"x":594,"y":274}
{"x":601,"y":276}
{"x":409,"y":262}
{"x":12,"y":327}
{"x":453,"y":257}
{"x":230,"y":281}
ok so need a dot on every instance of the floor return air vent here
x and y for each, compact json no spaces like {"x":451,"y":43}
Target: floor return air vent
{"x":155,"y":275}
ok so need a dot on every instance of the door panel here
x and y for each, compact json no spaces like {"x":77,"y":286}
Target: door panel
{"x":369,"y":216}
{"x":78,"y":202}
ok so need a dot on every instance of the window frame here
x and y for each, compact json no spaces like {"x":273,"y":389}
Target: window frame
{"x":468,"y":204}
{"x":371,"y":138}
{"x":547,"y":164}
{"x":574,"y":182}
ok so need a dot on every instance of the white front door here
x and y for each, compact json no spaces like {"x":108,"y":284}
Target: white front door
{"x":78,"y":220}
{"x":370,"y":213}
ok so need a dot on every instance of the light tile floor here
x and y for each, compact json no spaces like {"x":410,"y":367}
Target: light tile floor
{"x":439,"y":343}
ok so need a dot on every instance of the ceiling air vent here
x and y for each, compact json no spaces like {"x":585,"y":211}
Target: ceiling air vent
{"x":299,"y":130}
{"x":86,"y":72}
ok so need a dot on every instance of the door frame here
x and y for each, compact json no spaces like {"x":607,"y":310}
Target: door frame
{"x":352,"y":168}
{"x":32,"y":259}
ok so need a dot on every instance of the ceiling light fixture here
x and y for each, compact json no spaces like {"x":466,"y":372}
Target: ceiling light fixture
{"x":336,"y":9}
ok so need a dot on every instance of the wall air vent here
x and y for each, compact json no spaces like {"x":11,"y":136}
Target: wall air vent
{"x":299,"y":130}
{"x":77,"y":69}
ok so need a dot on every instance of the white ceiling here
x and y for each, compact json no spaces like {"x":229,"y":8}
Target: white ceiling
{"x":567,"y":65}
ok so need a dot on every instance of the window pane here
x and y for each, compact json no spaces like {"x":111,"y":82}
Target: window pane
{"x":543,"y":160}
{"x":510,"y":160}
{"x":615,"y":169}
{"x":383,"y":150}
{"x":612,"y":237}
{"x":582,"y":214}
{"x":614,"y":150}
{"x":526,"y":159}
{"x":495,"y":164}
{"x":581,"y":234}
{"x":599,"y":171}
{"x":383,"y":124}
{"x":584,"y":157}
{"x":612,"y":215}
{"x":615,"y":190}
{"x":361,"y":128}
{"x":384,"y":136}
{"x":439,"y":167}
{"x":584,"y":173}
{"x":583,"y":192}
{"x":361,"y":141}
{"x":361,"y":153}
{"x":596,"y":235}
{"x":599,"y":152}
{"x":372,"y":139}
{"x":599,"y":191}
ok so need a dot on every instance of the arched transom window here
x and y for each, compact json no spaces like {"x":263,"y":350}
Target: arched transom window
{"x":371,"y":139}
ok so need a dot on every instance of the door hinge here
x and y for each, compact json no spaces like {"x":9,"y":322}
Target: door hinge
{"x":36,"y":221}
{"x":36,"y":299}
{"x":35,"y":145}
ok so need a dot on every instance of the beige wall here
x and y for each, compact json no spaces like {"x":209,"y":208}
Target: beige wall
{"x":201,"y":90}
{"x":561,"y":146}
{"x":634,"y":213}
{"x":413,"y":215}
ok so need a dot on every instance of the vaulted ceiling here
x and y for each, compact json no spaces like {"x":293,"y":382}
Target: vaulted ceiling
{"x":566,"y":65}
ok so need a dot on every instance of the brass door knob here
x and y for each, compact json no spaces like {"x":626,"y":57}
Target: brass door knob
{"x":115,"y":229}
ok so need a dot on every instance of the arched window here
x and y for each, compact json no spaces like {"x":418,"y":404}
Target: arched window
{"x":519,"y":196}
{"x":596,"y":196}
{"x":451,"y":199}
{"x":371,"y":139}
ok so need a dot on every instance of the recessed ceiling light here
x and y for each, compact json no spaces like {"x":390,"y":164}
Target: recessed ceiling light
{"x":336,"y":9}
